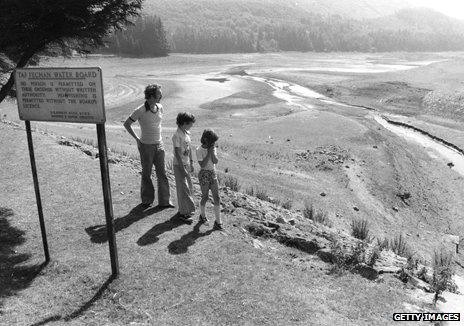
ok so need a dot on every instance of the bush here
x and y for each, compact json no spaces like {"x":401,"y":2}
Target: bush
{"x":383,"y":244}
{"x":317,"y":216}
{"x":360,"y":229}
{"x":375,"y":255}
{"x":287,"y":204}
{"x":250,"y":191}
{"x":443,"y":272}
{"x":232,"y":183}
{"x":346,"y":260}
{"x":261,"y":193}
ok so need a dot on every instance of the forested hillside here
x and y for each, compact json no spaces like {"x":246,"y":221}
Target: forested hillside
{"x":146,"y":38}
{"x":213,"y":26}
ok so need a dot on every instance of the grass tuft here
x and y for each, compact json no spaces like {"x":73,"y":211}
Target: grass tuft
{"x":321,"y":217}
{"x":399,"y":246}
{"x":232,"y":183}
{"x":360,"y":229}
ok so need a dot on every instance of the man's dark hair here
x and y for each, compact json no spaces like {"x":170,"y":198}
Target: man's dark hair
{"x":151,"y":90}
{"x":185,"y":117}
{"x":208,"y":137}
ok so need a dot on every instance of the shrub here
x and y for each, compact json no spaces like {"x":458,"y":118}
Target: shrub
{"x":339,"y":257}
{"x":261,"y":193}
{"x":250,"y":191}
{"x":308,"y":211}
{"x":375,"y":255}
{"x":422,"y":274}
{"x":360,"y":229}
{"x":232,"y":183}
{"x":317,"y":216}
{"x":287,"y":204}
{"x":443,"y":272}
{"x":346,"y":260}
{"x":383,"y":244}
{"x":413,"y":263}
{"x":358,"y":255}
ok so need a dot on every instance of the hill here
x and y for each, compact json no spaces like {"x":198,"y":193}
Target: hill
{"x":357,"y":9}
{"x":210,"y":26}
{"x":261,"y":271}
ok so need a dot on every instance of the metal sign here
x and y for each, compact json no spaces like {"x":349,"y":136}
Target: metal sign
{"x":67,"y":95}
{"x":60,"y":94}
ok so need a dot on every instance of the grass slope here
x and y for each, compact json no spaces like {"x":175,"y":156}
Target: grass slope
{"x":171,"y":273}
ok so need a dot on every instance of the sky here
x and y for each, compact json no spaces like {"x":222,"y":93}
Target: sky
{"x":453,"y":8}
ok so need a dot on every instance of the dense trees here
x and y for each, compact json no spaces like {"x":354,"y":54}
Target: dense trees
{"x":147,"y":37}
{"x":315,"y":33}
{"x":55,"y":27}
{"x":211,"y":26}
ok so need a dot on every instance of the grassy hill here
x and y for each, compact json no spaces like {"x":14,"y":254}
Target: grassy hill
{"x":258,"y":272}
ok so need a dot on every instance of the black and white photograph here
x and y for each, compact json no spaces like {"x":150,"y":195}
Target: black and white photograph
{"x":231,"y":162}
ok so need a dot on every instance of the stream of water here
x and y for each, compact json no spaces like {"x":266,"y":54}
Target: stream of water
{"x":297,"y":95}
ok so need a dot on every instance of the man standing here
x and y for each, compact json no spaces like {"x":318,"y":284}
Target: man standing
{"x":150,"y":145}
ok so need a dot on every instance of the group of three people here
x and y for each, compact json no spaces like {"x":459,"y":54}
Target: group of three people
{"x":152,"y":153}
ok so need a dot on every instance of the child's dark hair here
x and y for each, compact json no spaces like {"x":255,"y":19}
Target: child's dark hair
{"x":208,"y":137}
{"x":185,"y":117}
{"x":151,"y":90}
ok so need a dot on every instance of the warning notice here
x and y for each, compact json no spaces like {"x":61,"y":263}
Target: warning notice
{"x":60,"y":94}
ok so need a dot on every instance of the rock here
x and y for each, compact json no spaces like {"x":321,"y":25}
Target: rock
{"x":288,"y":139}
{"x":450,"y":164}
{"x":414,"y":281}
{"x":257,"y":244}
{"x":326,"y":255}
{"x":323,"y":194}
{"x":281,"y":220}
{"x":356,"y":208}
{"x":404,"y":196}
{"x":389,"y":262}
{"x":305,"y":245}
{"x":292,"y":221}
{"x":366,"y":271}
{"x":258,"y":230}
{"x":395,"y":208}
{"x":386,"y":269}
{"x":375,"y":146}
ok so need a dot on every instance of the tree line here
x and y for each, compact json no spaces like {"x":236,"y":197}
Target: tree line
{"x":331,"y":34}
{"x":148,"y":37}
{"x":145,"y":38}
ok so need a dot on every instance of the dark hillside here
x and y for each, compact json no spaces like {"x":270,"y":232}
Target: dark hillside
{"x":227,"y":26}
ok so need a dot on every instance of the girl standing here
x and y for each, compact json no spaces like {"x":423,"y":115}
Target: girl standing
{"x":207,"y":158}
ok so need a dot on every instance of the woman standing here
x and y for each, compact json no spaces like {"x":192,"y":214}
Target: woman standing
{"x":151,"y":148}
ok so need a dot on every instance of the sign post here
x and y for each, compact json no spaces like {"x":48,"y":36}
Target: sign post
{"x":37,"y":191}
{"x":67,"y":95}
